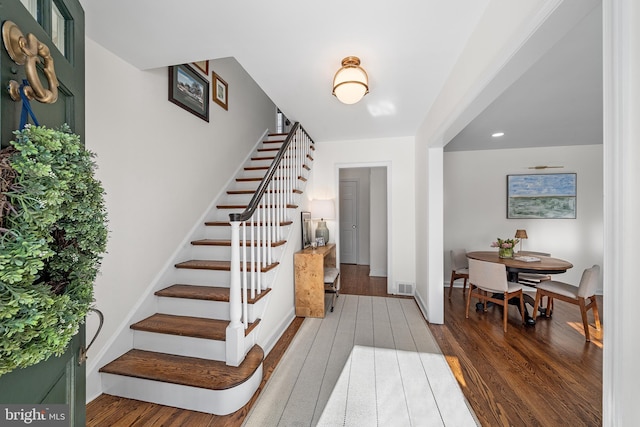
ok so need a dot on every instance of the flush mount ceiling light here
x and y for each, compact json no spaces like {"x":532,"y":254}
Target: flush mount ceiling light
{"x":351,"y":82}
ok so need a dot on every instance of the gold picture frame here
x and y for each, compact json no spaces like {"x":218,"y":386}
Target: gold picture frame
{"x":220,"y":91}
{"x":202,"y":66}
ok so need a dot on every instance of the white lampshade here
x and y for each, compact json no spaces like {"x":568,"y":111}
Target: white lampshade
{"x":351,"y":82}
{"x":323,"y":209}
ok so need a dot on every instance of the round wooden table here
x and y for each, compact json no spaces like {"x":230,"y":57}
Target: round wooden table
{"x":546,"y":265}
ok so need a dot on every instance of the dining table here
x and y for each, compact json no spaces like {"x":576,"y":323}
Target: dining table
{"x":524,"y":263}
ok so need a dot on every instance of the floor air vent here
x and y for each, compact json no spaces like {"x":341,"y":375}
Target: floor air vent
{"x":405,"y":288}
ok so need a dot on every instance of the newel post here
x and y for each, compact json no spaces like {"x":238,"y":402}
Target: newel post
{"x":235,"y":330}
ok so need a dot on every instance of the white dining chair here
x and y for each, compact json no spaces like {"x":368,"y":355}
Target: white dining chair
{"x":459,"y":268}
{"x":582,"y":295}
{"x":532,"y":279}
{"x":490,"y":278}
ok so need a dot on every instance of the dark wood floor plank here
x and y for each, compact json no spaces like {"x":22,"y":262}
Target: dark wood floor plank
{"x":544,"y":375}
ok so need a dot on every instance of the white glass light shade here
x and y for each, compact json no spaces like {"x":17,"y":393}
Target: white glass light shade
{"x":351,"y":82}
{"x":323,"y":209}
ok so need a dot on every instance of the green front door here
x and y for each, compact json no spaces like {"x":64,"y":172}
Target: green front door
{"x":58,"y":24}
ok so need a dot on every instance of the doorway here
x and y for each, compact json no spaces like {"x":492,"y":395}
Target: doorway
{"x":363,"y":218}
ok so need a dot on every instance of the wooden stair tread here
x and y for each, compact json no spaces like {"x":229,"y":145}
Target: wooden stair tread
{"x":289,"y":206}
{"x":196,"y":327}
{"x":258,"y":179}
{"x":207,"y":293}
{"x":228,"y":224}
{"x":296,"y":191}
{"x":183,"y":370}
{"x":223,"y":242}
{"x":216,"y":265}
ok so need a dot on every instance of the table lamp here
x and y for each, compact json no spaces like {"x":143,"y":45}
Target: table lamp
{"x":323,"y":210}
{"x":521,"y":234}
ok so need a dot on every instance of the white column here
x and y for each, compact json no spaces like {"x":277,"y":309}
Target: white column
{"x":235,"y":330}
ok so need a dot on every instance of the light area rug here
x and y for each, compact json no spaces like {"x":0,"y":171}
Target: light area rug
{"x":371,"y":362}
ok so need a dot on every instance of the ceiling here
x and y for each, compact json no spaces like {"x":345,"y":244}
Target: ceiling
{"x":292,"y":49}
{"x":556,"y":102}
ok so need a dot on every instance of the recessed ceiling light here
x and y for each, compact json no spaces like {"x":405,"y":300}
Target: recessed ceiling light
{"x":497,"y":134}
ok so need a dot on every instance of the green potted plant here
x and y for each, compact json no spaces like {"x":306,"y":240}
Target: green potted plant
{"x":53,"y":232}
{"x":505,"y":247}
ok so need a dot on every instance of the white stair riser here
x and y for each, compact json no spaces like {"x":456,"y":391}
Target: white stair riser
{"x":195,"y":308}
{"x":207,"y":309}
{"x":201,"y":277}
{"x":223,"y":253}
{"x":180,"y":345}
{"x":219,"y":402}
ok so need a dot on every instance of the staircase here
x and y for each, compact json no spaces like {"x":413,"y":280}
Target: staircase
{"x":199,"y":350}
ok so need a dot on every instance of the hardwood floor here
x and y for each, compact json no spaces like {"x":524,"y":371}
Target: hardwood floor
{"x":107,"y":410}
{"x":546,"y":375}
{"x":355,"y":280}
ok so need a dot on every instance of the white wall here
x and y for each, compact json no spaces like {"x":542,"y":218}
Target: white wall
{"x":161,"y":167}
{"x":378,"y":224}
{"x":396,"y":154}
{"x":475,"y":204}
{"x":621,"y":371}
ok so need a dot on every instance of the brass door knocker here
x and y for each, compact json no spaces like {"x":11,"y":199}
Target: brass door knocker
{"x":28,"y":50}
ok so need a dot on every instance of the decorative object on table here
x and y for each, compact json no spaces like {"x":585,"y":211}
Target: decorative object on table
{"x":189,"y":90}
{"x":220,"y":91}
{"x":351,"y":82}
{"x":505,"y":247}
{"x":320,"y":241}
{"x":521,"y":234}
{"x":53,"y":224}
{"x":306,"y":229}
{"x":542,"y":195}
{"x":202,"y":66}
{"x":323,"y":210}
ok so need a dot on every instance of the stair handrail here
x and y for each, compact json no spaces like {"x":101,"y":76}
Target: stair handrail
{"x":266,"y":180}
{"x":263,"y":217}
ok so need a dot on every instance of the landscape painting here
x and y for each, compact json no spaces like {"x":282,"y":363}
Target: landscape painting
{"x":542,"y":195}
{"x":189,"y":90}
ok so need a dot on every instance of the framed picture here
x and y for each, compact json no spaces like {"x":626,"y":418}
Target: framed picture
{"x":189,"y":90}
{"x":220,"y":91}
{"x":202,"y":66}
{"x":542,"y":195}
{"x":320,"y":241}
{"x":306,"y":229}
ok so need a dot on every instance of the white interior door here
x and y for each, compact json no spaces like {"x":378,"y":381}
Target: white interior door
{"x":349,"y":221}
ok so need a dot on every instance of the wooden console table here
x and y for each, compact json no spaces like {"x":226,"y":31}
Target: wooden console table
{"x":309,"y":265}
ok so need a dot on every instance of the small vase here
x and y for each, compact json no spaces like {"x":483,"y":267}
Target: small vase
{"x":505,"y":252}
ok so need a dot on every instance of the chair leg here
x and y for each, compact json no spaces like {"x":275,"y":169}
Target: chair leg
{"x":585,"y":322}
{"x":522,"y":307}
{"x":549,"y":308}
{"x":505,"y":311}
{"x":536,"y":304}
{"x":596,"y":315}
{"x":464,"y":285}
{"x":468,"y":300}
{"x":451,"y":283}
